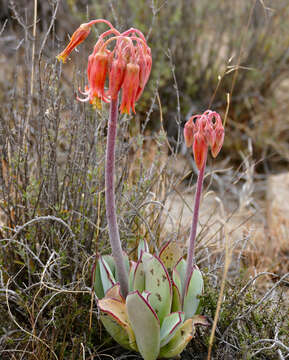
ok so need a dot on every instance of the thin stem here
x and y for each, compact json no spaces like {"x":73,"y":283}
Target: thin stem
{"x":191,"y":252}
{"x":96,"y":21}
{"x":110,"y":200}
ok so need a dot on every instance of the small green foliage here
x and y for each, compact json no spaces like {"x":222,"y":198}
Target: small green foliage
{"x":243,"y":322}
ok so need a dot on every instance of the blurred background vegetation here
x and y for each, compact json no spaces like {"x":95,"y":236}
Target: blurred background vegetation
{"x":52,"y":158}
{"x":194,"y":44}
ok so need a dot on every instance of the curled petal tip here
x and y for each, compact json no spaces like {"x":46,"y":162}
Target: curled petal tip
{"x":96,"y":103}
{"x":61,"y":57}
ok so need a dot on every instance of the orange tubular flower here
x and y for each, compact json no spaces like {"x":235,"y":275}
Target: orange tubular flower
{"x":145,"y":65}
{"x":116,"y":77}
{"x":129,"y":88}
{"x":200,"y":149}
{"x":78,"y":37}
{"x":97,"y":75}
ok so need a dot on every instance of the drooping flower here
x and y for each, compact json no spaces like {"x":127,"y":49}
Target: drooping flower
{"x":145,"y":64}
{"x":201,"y":132}
{"x":129,"y":88}
{"x":220,"y":134}
{"x":78,"y":37}
{"x":116,"y":76}
{"x":189,"y":132}
{"x":127,"y":65}
{"x":97,"y":75}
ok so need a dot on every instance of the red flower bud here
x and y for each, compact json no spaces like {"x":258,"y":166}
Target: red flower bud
{"x":209,"y":134}
{"x":189,"y":131}
{"x":96,"y":72}
{"x":129,"y":88}
{"x":78,"y":37}
{"x":200,"y":149}
{"x":145,"y":64}
{"x":220,"y":134}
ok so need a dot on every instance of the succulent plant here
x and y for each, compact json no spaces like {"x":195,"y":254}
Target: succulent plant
{"x":150,"y":305}
{"x":153,"y":319}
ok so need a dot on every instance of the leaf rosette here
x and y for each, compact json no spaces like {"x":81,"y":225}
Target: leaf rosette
{"x":153,"y":319}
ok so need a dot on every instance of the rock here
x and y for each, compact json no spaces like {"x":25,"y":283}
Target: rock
{"x":278,"y":219}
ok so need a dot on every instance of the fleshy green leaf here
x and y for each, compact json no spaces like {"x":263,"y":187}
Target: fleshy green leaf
{"x":145,"y":295}
{"x":145,"y":325}
{"x":145,"y":257}
{"x":179,"y":341}
{"x":142,"y":247}
{"x":114,"y":293}
{"x":116,"y":331}
{"x":192,"y":293}
{"x":97,"y":283}
{"x":110,"y":262}
{"x":170,"y":326}
{"x":177,"y":301}
{"x":131,"y":275}
{"x":115,"y":320}
{"x":139,"y":277}
{"x":181,"y":268}
{"x":170,"y":254}
{"x":157,"y":282}
{"x":106,"y":275}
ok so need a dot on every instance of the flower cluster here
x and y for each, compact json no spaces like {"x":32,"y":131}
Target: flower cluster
{"x":202,"y":131}
{"x":126,"y":65}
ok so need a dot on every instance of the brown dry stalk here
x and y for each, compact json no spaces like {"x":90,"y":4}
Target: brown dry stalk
{"x":33,"y":49}
{"x":162,"y":122}
{"x":21,"y":328}
{"x":26,"y":127}
{"x":92,"y":287}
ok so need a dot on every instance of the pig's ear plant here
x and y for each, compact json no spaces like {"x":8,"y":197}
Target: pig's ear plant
{"x":150,"y":305}
{"x":128,"y":66}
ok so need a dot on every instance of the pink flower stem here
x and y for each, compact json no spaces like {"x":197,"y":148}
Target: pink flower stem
{"x":110,"y":200}
{"x":191,"y":252}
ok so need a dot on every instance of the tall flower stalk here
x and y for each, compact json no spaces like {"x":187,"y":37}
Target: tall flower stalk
{"x":124,"y":61}
{"x":201,"y":132}
{"x":110,"y":198}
